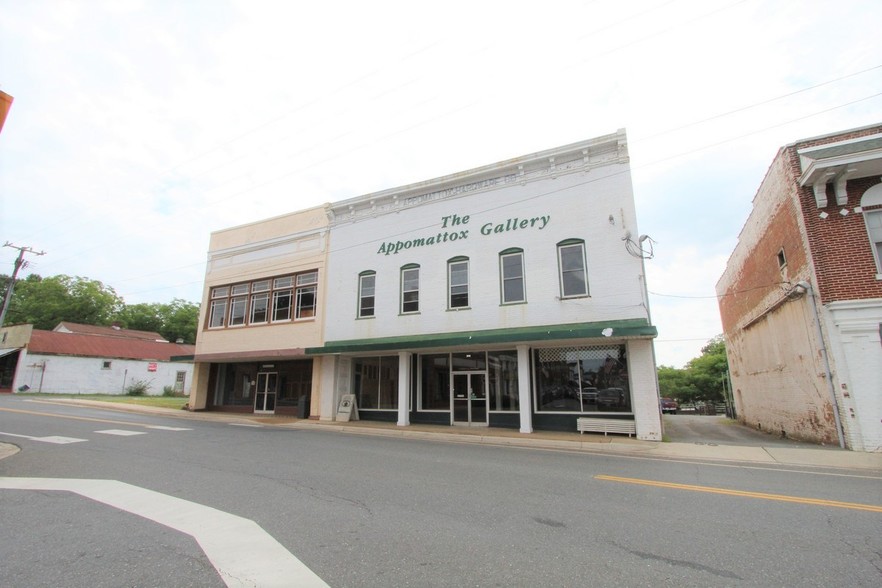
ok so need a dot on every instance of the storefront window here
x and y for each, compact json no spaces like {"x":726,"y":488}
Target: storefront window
{"x":502,"y":372}
{"x":435,"y":382}
{"x":295,"y":381}
{"x":502,"y":375}
{"x":582,"y":379}
{"x":376,"y":382}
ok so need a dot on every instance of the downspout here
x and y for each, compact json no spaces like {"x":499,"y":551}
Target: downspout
{"x":826,"y":360}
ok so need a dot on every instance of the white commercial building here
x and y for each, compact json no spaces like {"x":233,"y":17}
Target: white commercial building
{"x":512,"y":295}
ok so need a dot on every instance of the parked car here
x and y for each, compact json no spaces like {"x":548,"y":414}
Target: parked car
{"x":611,"y":397}
{"x":687,"y":407}
{"x":589,"y":395}
{"x":669,"y":406}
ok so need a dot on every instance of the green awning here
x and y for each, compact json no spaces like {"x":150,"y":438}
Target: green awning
{"x":635,"y":328}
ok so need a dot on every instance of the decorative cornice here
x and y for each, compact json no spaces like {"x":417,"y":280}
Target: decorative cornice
{"x":575,"y":158}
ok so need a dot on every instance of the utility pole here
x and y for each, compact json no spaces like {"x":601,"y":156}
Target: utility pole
{"x":19,"y":263}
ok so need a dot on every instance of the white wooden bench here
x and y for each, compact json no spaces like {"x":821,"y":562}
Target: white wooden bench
{"x":605,"y":426}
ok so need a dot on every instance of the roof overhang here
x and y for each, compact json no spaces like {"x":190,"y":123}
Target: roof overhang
{"x":5,"y":352}
{"x":839,"y":162}
{"x":604,"y":330}
{"x":240,"y":356}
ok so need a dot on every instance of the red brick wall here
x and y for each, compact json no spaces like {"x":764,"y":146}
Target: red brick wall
{"x":759,"y":281}
{"x":842,"y":254}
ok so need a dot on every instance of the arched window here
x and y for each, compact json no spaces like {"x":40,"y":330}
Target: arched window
{"x":511,"y":276}
{"x":573,"y":272}
{"x":410,"y":288}
{"x":367,"y":286}
{"x":458,"y":282}
{"x":871,"y":204}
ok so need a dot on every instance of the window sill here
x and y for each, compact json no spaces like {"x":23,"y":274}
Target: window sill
{"x":457,"y":309}
{"x":879,"y":276}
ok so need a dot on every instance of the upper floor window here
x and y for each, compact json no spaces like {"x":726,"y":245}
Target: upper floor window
{"x":270,"y":300}
{"x":410,"y":288}
{"x":874,"y":226}
{"x":571,"y":261}
{"x":511,"y":272}
{"x":873,"y":218}
{"x":218,"y":309}
{"x":458,"y":282}
{"x":238,"y":304}
{"x":260,"y":293}
{"x":367,"y":283}
{"x":307,"y":287}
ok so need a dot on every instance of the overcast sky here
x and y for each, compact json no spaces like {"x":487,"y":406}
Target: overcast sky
{"x":140,"y":126}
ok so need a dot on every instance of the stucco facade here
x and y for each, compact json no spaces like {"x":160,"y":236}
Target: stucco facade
{"x":801,"y":296}
{"x":261,"y":307}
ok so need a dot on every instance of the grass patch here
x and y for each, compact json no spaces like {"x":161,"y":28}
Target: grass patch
{"x":176,"y":402}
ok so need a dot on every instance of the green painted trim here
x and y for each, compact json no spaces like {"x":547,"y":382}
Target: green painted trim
{"x":622,"y":328}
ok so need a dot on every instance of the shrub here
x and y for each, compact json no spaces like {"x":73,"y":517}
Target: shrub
{"x":137,"y":388}
{"x":168,"y":391}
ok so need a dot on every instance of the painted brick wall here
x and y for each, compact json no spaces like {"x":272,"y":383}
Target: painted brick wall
{"x":596,"y":206}
{"x":86,"y":375}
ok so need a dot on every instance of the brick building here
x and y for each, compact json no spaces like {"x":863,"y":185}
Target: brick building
{"x":801,"y":296}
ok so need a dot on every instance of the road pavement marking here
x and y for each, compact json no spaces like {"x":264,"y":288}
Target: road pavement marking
{"x":245,"y":425}
{"x":121,"y":432}
{"x":743,"y":493}
{"x":51,"y":439}
{"x":238,"y":548}
{"x":72,"y":417}
{"x":164,"y":428}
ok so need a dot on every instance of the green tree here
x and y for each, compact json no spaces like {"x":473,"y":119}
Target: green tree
{"x":706,"y":371}
{"x":674,"y":383}
{"x":176,"y":320}
{"x":700,"y":379}
{"x":180,"y":319}
{"x":45,"y":302}
{"x":141,"y":317}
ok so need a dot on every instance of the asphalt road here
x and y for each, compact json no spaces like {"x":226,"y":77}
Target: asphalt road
{"x":359,"y":511}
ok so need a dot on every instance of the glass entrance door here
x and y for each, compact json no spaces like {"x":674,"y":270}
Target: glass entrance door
{"x":469,"y":399}
{"x":265,"y":392}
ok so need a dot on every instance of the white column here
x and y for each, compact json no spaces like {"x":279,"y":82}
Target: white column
{"x":524,"y":389}
{"x":328,"y":388}
{"x":403,"y":388}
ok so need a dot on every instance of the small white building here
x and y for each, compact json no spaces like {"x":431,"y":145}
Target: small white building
{"x":82,"y":359}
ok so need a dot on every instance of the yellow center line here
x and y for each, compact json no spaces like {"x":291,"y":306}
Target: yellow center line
{"x":743,"y":493}
{"x":75,"y":418}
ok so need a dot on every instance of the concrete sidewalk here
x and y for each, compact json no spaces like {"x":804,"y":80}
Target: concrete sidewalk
{"x":590,"y":443}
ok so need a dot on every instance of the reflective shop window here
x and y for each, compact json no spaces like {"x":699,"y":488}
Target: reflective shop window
{"x":582,"y":379}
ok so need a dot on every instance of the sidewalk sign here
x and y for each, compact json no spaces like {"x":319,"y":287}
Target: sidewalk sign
{"x":347,"y":410}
